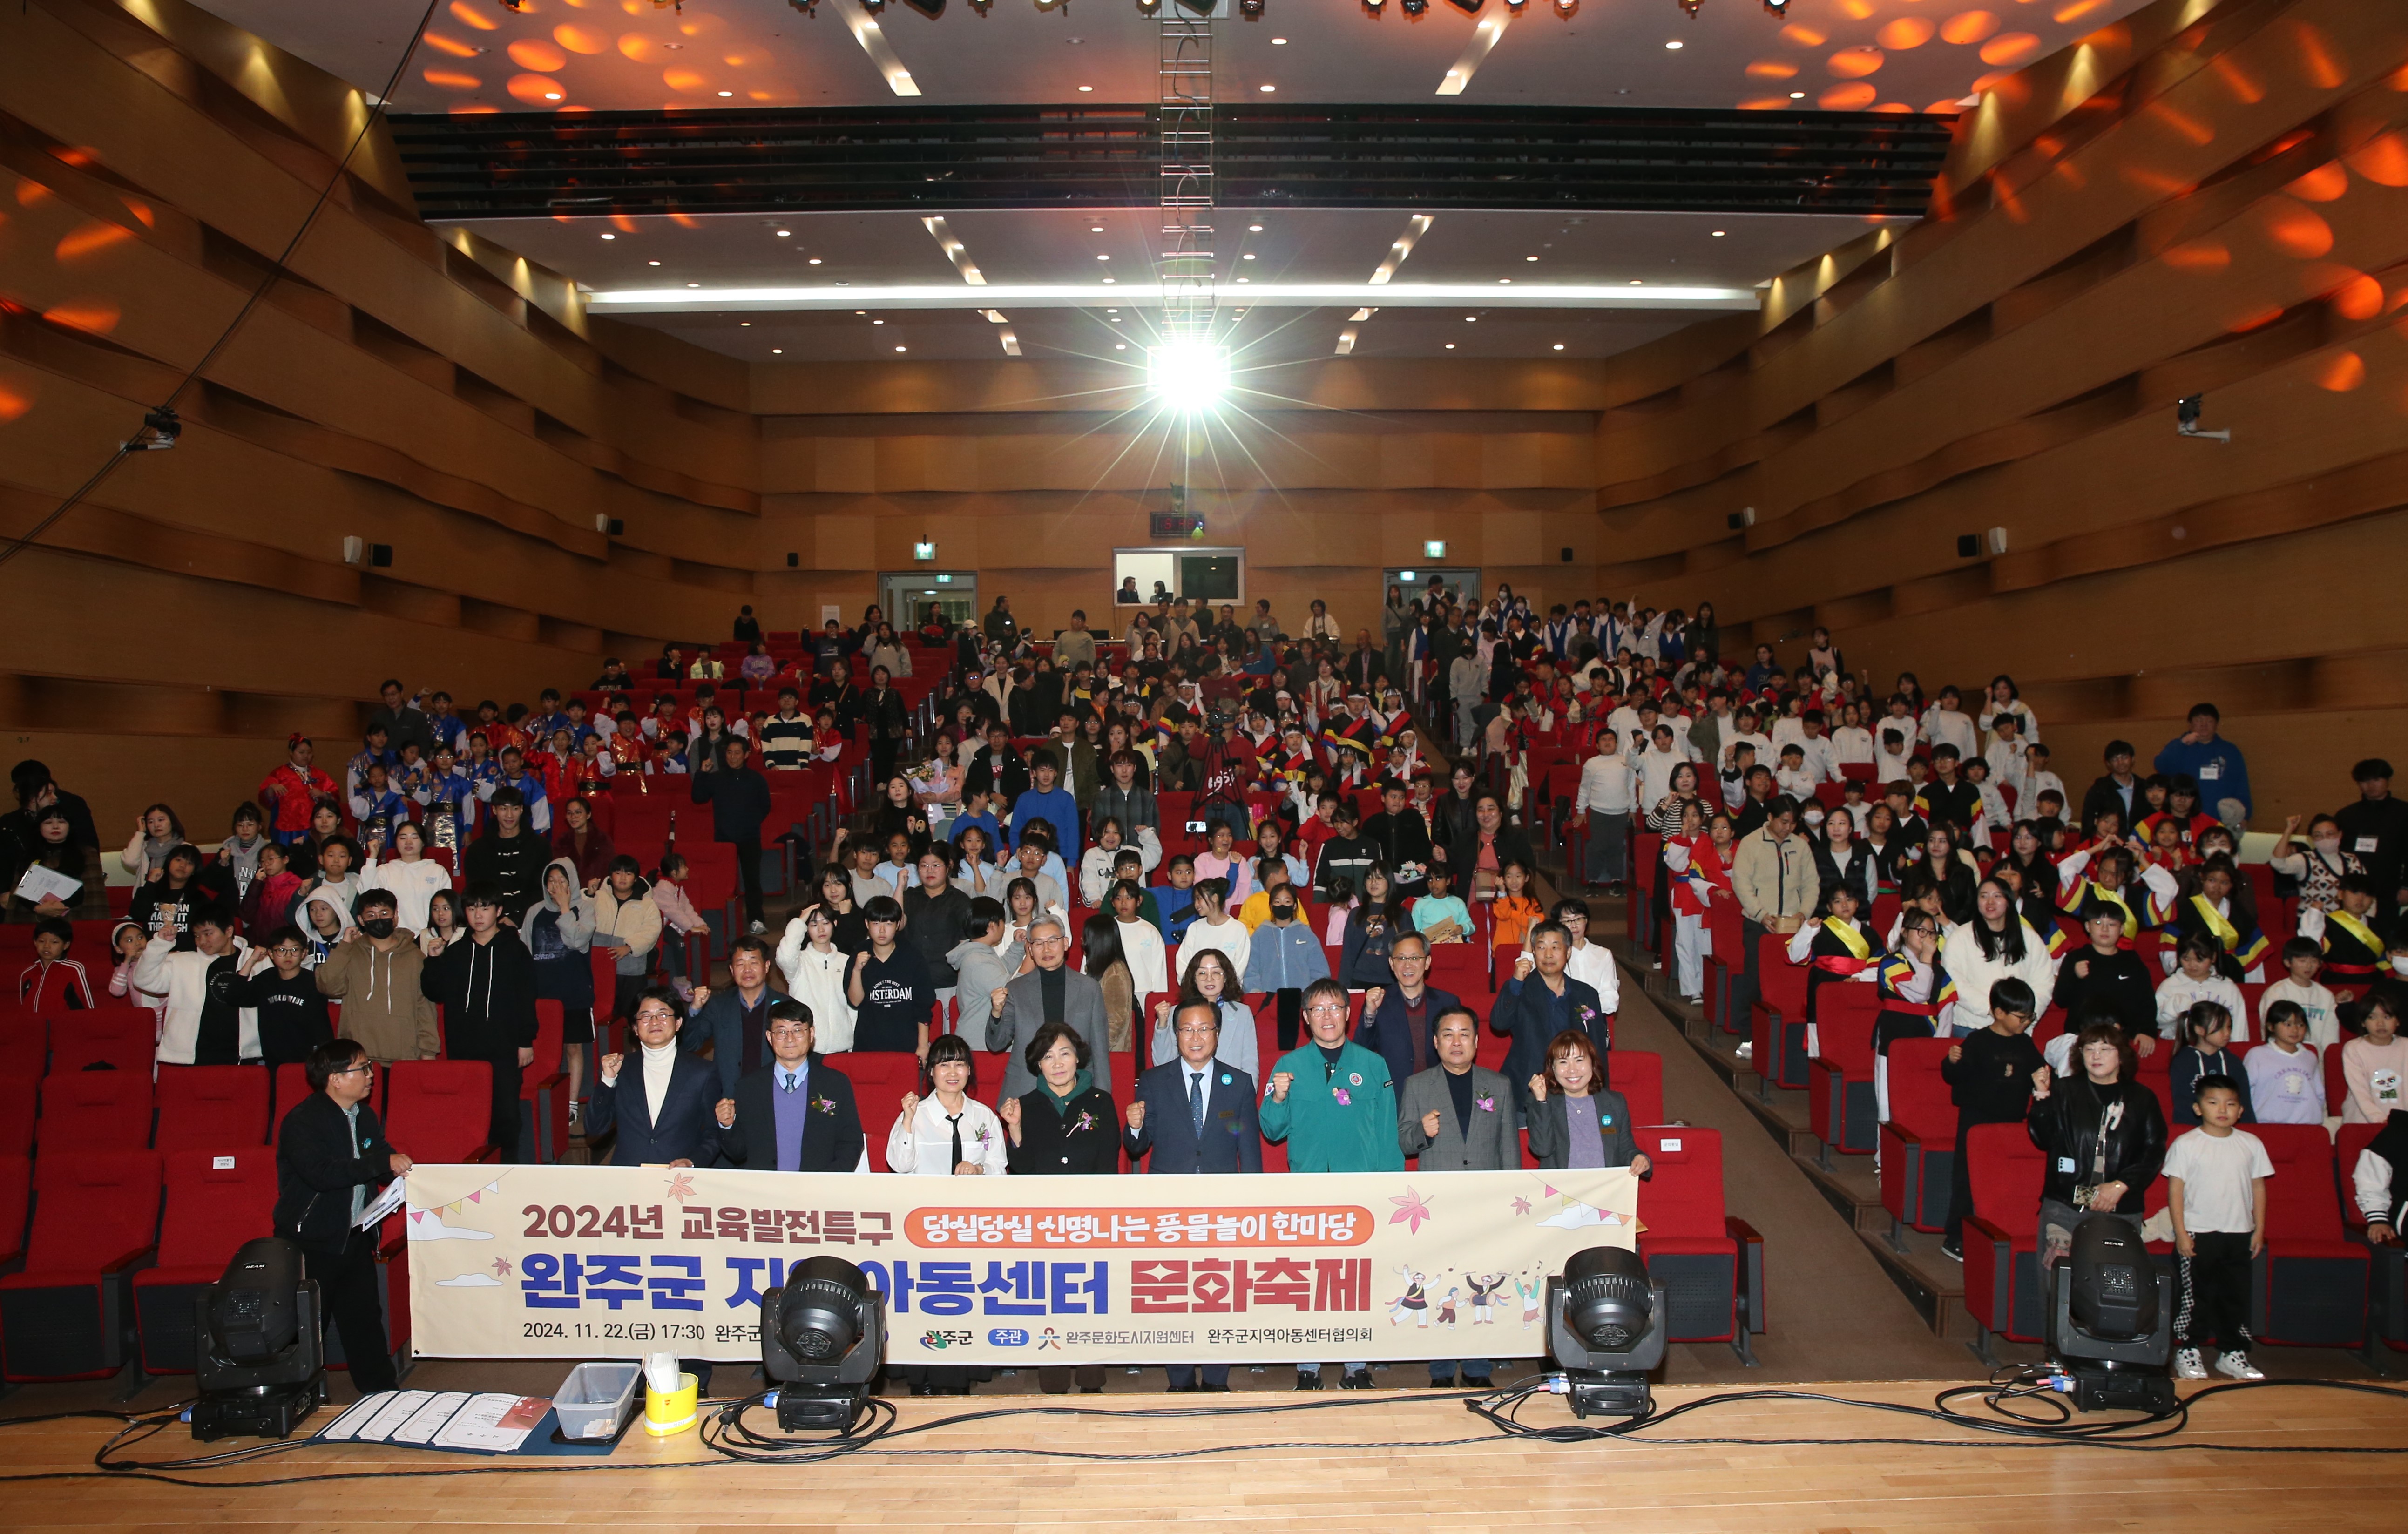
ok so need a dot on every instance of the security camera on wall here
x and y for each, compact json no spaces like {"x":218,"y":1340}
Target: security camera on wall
{"x":2188,"y":410}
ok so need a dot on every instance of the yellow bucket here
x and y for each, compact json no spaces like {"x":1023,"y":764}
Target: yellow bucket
{"x":674,"y":1412}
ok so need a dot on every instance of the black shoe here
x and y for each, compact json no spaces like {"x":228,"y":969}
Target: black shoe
{"x":1359,"y":1380}
{"x":1952,"y":1250}
{"x":1445,"y":1383}
{"x":1309,"y":1382}
{"x":1184,"y":1389}
{"x":1211,"y":1389}
{"x":1478,"y":1382}
{"x":1091,"y":1390}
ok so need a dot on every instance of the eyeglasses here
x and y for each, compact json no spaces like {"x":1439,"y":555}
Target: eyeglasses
{"x":1325,"y":1010}
{"x":1197,"y":1030}
{"x":655,"y":1014}
{"x":367,"y":1065}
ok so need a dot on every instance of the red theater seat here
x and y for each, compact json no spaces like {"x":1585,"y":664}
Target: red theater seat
{"x":2002,"y":1287}
{"x":120,"y":1037}
{"x":212,"y":1106}
{"x":1839,"y":1096}
{"x":2311,"y":1287}
{"x":880,"y":1078}
{"x":217,"y":1200}
{"x":1918,"y":1143}
{"x":1777,"y":1020}
{"x":95,"y":1111}
{"x":439,"y":1110}
{"x":16,"y":1200}
{"x":69,"y":1314}
{"x":1711,"y":1264}
{"x":543,"y":1086}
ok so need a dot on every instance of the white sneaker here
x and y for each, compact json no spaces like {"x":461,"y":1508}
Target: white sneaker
{"x":2188,"y":1364}
{"x":2236,"y":1366}
{"x":1746,"y":1050}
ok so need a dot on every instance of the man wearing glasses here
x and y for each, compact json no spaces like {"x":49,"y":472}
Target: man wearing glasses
{"x":797,"y":1113}
{"x":1052,"y":992}
{"x":331,"y":1156}
{"x":666,"y":1110}
{"x":1334,"y":1103}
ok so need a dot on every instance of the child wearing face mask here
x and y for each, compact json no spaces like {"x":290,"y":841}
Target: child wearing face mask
{"x":1285,"y":955}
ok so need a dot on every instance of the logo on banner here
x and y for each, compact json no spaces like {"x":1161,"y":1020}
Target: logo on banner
{"x":1007,"y":1337}
{"x":938,"y":1342}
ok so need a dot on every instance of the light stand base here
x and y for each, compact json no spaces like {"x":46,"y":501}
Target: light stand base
{"x":804,"y":1409}
{"x":1597,"y":1393}
{"x":264,"y":1412}
{"x":2104,"y":1387}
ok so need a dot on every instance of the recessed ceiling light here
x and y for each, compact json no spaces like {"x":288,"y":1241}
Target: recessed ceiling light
{"x":1450,"y":345}
{"x":1084,"y":88}
{"x":876,"y":322}
{"x":610,"y":236}
{"x":1253,"y":228}
{"x":1471,"y":319}
{"x":1529,"y":258}
{"x":1278,"y":42}
{"x":1797,"y":95}
{"x":651,"y":263}
{"x":1248,"y":256}
{"x":1120,"y":346}
{"x":1245,"y":280}
{"x":1100,"y":256}
{"x":786,"y":234}
{"x":1675,"y":44}
{"x":1108,"y":281}
{"x":1265,"y":88}
{"x":1719,"y":232}
{"x":693,"y":284}
{"x":1095,"y":229}
{"x":1559,"y":346}
{"x":1507,"y":280}
{"x":815,"y":261}
{"x":902,"y":348}
{"x":861,"y":311}
{"x":1634,"y":281}
{"x":776,"y":351}
{"x":727,"y":92}
{"x":745,"y":323}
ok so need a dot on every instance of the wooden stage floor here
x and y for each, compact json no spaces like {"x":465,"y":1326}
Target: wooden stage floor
{"x":1381,"y":1465}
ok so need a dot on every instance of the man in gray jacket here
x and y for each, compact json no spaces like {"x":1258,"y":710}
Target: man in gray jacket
{"x":1457,"y":1116}
{"x":1051,"y":993}
{"x":984,"y":963}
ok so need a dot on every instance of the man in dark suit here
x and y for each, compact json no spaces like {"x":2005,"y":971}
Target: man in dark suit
{"x":1194,"y":1114}
{"x":664,"y":1107}
{"x":331,"y":1156}
{"x":1457,"y":1116}
{"x":795,"y":1115}
{"x":1541,"y":1001}
{"x":1052,"y":992}
{"x":1403,"y":1023}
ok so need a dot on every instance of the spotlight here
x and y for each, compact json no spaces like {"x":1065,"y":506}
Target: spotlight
{"x":260,"y":1367}
{"x":1251,"y":9}
{"x":1189,"y":375}
{"x":1776,"y":7}
{"x":1416,"y":7}
{"x":1603,"y":1328}
{"x":2111,"y":1320}
{"x":1691,"y":6}
{"x":2187,"y":414}
{"x":1469,"y":7}
{"x":823,"y":1339}
{"x":160,"y":429}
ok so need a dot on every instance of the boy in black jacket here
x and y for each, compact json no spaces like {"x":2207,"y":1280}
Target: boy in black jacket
{"x":508,"y":855}
{"x":486,"y":984}
{"x":331,"y":1156}
{"x":292,"y":1016}
{"x":1991,"y":1074}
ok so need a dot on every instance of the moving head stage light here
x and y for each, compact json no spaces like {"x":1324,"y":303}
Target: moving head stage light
{"x":2111,"y":1320}
{"x":822,"y":1337}
{"x":1605,"y":1327}
{"x":262,"y":1369}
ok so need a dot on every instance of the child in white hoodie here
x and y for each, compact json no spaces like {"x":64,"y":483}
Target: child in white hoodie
{"x":200,"y":1024}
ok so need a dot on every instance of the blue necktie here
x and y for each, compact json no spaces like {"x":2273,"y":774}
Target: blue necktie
{"x":1196,"y":1102}
{"x":787,"y":1083}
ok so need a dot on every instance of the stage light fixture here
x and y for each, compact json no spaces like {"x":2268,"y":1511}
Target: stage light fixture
{"x":259,"y":1364}
{"x":1776,"y":7}
{"x":2188,"y":410}
{"x":1251,"y":9}
{"x":2111,"y":1320}
{"x":823,"y":1341}
{"x":1190,"y":376}
{"x":1605,"y":1327}
{"x":1469,"y":7}
{"x":1416,"y":7}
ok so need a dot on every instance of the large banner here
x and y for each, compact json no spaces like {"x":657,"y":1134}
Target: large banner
{"x":586,"y":1262}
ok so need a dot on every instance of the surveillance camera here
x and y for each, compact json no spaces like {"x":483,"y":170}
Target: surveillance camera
{"x":2187,"y":414}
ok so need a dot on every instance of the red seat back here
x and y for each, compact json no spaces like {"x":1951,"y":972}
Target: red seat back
{"x":1919,"y":1099}
{"x":2355,"y":1139}
{"x":438,"y":1110}
{"x":211,"y":1106}
{"x":1782,"y":984}
{"x":18,"y":1093}
{"x":95,"y":1210}
{"x":550,"y":1021}
{"x":2302,"y":1202}
{"x":880,"y":1078}
{"x":2006,"y":1168}
{"x":1684,"y":1197}
{"x":123,"y":1037}
{"x":95,"y":1111}
{"x":217,"y":1200}
{"x":1843,"y":1027}
{"x":1639,"y":1076}
{"x":15,"y":1198}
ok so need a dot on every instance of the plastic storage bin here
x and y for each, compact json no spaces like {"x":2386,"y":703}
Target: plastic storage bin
{"x":594,"y":1401}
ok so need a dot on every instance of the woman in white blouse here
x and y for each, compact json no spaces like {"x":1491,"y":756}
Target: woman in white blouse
{"x":948,"y":1132}
{"x":814,"y":968}
{"x":411,"y":876}
{"x":1997,"y":944}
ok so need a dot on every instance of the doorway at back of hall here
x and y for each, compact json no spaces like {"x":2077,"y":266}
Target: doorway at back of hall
{"x":906,"y":598}
{"x":1462,"y":580}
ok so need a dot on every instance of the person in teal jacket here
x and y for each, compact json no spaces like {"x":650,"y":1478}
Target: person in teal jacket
{"x":1333,"y":1102}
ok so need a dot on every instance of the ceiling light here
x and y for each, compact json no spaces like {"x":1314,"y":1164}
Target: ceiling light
{"x":610,"y":236}
{"x":861,"y":311}
{"x":815,"y":261}
{"x":554,"y":96}
{"x":1265,"y":88}
{"x":1086,"y":87}
{"x":1102,"y":257}
{"x":1120,"y":346}
{"x":876,"y":322}
{"x":693,"y":284}
{"x":1797,"y":95}
{"x":745,"y":323}
{"x":786,"y":234}
{"x":651,"y":263}
{"x":1110,"y":281}
{"x":1559,"y":346}
{"x":1248,"y":256}
{"x":1450,"y":345}
{"x":776,"y":351}
{"x":1095,"y":229}
{"x":902,"y":348}
{"x":1634,"y":281}
{"x":1190,"y":375}
{"x":1529,"y":258}
{"x":1245,"y":280}
{"x":1471,"y":319}
{"x":1507,"y":280}
{"x":1674,"y":45}
{"x":727,"y":92}
{"x":1718,"y":234}
{"x":1253,"y":228}
{"x":1278,"y":42}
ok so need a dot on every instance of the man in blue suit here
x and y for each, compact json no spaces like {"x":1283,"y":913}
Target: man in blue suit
{"x":1403,"y":1023}
{"x":665,"y":1108}
{"x":1194,"y":1114}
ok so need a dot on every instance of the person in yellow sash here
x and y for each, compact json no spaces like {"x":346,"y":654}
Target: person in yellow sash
{"x":1834,"y":944}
